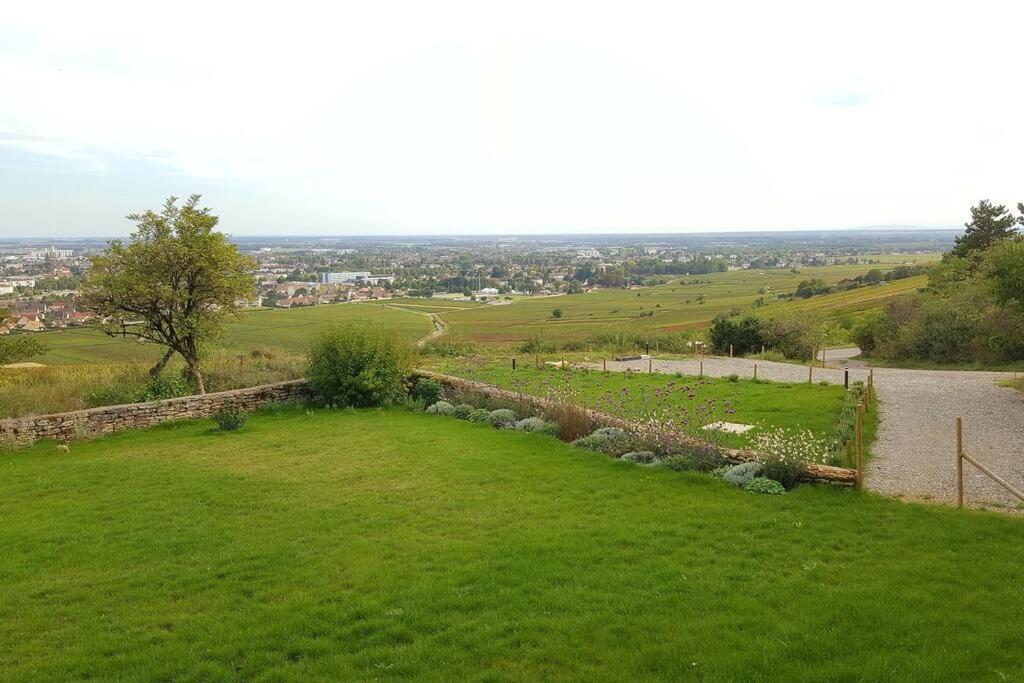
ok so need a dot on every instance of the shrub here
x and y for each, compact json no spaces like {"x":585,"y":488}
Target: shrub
{"x":786,"y":472}
{"x":229,"y":418}
{"x":427,"y":390}
{"x":441,"y":408}
{"x":501,"y":418}
{"x":680,"y":463}
{"x":641,"y":457}
{"x":135,"y":385}
{"x":742,"y":474}
{"x":358,"y":365}
{"x":766,"y":487}
{"x":479,"y":415}
{"x":733,"y":377}
{"x":538,"y":425}
{"x":608,"y":440}
{"x":462,"y":411}
{"x":573,"y":421}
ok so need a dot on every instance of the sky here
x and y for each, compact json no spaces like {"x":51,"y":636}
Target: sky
{"x":481,"y":117}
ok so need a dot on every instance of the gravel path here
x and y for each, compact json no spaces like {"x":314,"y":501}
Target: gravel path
{"x":914,"y":453}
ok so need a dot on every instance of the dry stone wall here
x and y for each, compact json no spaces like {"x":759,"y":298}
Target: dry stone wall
{"x":95,"y":421}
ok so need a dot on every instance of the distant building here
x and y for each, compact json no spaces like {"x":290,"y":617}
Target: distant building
{"x":41,"y":254}
{"x":344,"y":277}
{"x":362,"y":277}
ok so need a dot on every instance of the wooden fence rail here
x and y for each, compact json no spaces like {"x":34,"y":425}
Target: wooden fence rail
{"x":961,"y":456}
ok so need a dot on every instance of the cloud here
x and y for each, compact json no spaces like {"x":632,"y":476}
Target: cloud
{"x":469,"y":116}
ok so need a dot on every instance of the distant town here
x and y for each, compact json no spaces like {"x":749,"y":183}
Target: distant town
{"x":39,"y":282}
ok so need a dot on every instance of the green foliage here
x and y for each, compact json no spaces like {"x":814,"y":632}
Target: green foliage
{"x":229,"y":418}
{"x":463,"y":411}
{"x":557,"y":313}
{"x":741,"y":332}
{"x":133,"y":385}
{"x":358,"y":365}
{"x":441,"y":408}
{"x":610,"y":440}
{"x":764,"y":486}
{"x":537,"y":425}
{"x":174,"y":283}
{"x":641,"y":457}
{"x":19,"y":348}
{"x":741,"y":475}
{"x":989,"y":224}
{"x":681,"y":463}
{"x":733,"y":377}
{"x":502,"y":418}
{"x":426,"y":390}
{"x":479,"y":415}
{"x":786,"y":472}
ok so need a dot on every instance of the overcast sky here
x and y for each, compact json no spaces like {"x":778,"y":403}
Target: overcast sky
{"x":378,"y":117}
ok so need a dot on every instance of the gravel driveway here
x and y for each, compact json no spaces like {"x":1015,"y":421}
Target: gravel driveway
{"x":914,"y":453}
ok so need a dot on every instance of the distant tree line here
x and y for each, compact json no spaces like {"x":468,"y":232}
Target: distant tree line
{"x":973,"y":307}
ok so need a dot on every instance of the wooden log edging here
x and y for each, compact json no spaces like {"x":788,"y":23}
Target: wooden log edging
{"x":837,"y":476}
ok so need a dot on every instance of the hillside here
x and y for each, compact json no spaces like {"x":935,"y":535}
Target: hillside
{"x":383,"y":544}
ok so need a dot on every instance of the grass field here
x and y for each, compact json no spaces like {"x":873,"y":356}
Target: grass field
{"x":667,"y":308}
{"x":288,"y":329}
{"x":382,"y":545}
{"x":768,"y":405}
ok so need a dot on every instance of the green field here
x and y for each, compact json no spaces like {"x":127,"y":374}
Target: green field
{"x":675,"y":307}
{"x":694,"y":400}
{"x":287,"y":329}
{"x":386,"y":544}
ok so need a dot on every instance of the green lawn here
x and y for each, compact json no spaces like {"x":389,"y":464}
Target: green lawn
{"x":365,"y":545}
{"x":287,"y":329}
{"x":767,"y":405}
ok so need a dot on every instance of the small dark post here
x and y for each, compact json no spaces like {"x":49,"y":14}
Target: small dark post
{"x":647,"y":345}
{"x":846,"y":378}
{"x":513,"y":363}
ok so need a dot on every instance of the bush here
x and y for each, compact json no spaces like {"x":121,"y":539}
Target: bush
{"x":427,"y":390}
{"x":358,"y":365}
{"x":573,"y":421}
{"x":479,"y":415}
{"x":537,"y":425}
{"x":680,"y":463}
{"x":501,"y":418}
{"x":786,"y":472}
{"x":462,"y":411}
{"x":229,"y":418}
{"x":135,"y":385}
{"x":441,"y":408}
{"x":733,"y":377}
{"x":766,"y":487}
{"x":742,"y":474}
{"x":641,"y":457}
{"x":608,"y":440}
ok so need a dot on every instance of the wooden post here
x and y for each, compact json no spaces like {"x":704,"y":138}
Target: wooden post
{"x":859,"y":435}
{"x":762,"y":351}
{"x":871,"y":383}
{"x":730,"y":350}
{"x":650,"y":366}
{"x":513,"y":363}
{"x":822,"y":357}
{"x":604,"y":364}
{"x":701,"y":369}
{"x":810,"y":373}
{"x":755,"y":370}
{"x":959,"y":463}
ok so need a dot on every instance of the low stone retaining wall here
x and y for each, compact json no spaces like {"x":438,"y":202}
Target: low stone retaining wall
{"x":839,"y":476}
{"x":95,"y":421}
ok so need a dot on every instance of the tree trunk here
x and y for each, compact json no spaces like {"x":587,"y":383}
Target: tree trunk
{"x":197,"y":377}
{"x":155,"y":371}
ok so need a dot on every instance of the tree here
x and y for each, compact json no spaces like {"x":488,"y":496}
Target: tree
{"x":19,"y":348}
{"x":989,"y":224}
{"x":1004,"y":264}
{"x":175,"y":282}
{"x":557,"y":313}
